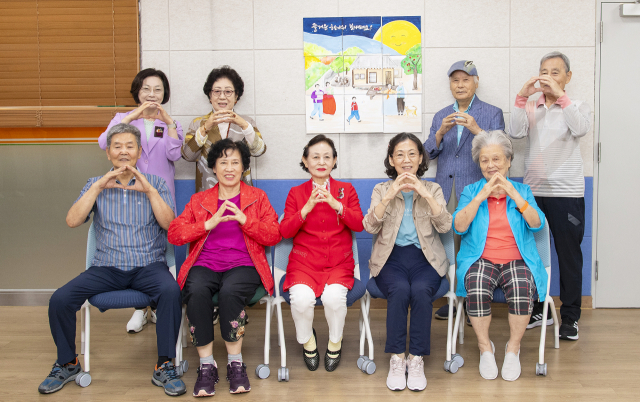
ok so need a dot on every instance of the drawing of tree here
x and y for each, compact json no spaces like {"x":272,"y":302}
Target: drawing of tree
{"x":412,"y":63}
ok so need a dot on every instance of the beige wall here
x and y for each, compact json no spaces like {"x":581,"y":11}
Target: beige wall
{"x":262,"y":39}
{"x":38,"y":185}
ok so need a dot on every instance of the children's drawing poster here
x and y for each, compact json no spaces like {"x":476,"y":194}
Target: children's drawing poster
{"x":363,"y":74}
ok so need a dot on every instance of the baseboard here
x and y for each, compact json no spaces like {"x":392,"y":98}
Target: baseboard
{"x":25,"y":297}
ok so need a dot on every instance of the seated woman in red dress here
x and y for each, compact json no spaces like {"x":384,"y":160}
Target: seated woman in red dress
{"x":320,"y":215}
{"x":227,"y":227}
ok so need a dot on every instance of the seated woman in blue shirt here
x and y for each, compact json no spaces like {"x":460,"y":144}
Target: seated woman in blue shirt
{"x":496,"y":218}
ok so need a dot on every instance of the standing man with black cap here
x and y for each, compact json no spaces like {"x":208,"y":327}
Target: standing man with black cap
{"x":452,"y":131}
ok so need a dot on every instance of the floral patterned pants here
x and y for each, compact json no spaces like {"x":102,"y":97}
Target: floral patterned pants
{"x":236,"y":287}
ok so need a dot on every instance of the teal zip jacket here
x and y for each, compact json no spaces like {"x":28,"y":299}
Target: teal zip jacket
{"x":475,"y":237}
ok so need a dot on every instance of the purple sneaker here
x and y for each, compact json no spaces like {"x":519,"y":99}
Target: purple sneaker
{"x":237,"y":377}
{"x":207,"y":380}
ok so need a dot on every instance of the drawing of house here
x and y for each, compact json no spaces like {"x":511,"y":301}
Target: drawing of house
{"x":367,"y":70}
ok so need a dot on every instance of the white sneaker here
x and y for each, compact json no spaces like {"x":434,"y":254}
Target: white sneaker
{"x":153,"y":317}
{"x":488,"y":366}
{"x":416,"y":380}
{"x":511,"y":367}
{"x":396,"y":381}
{"x":137,"y":322}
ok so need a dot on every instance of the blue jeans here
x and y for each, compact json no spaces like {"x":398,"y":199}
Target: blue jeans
{"x":154,"y":280}
{"x":317,"y":108}
{"x":407,"y":279}
{"x":354,"y":113}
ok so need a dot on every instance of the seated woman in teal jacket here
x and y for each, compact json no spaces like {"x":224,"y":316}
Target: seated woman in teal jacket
{"x":496,"y":218}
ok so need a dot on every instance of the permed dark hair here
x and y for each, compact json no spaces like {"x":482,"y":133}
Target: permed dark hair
{"x":224,"y":72}
{"x":315,"y":140}
{"x":219,"y":149}
{"x":424,"y":165}
{"x":136,"y":84}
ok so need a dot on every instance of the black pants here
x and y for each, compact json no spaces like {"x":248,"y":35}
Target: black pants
{"x":154,"y":280}
{"x":236,"y":288}
{"x":566,"y":221}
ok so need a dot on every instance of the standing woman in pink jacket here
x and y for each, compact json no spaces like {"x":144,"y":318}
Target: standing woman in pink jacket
{"x":161,"y":142}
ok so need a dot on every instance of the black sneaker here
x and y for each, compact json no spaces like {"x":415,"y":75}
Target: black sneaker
{"x":569,"y":331}
{"x":59,"y":376}
{"x":443,"y":313}
{"x":536,"y":316}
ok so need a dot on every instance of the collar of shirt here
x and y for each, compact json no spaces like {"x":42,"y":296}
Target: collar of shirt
{"x":457,"y":109}
{"x":131,"y":182}
{"x":328,"y":184}
{"x":542,"y":101}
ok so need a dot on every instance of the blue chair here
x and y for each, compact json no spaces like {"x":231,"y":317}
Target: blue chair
{"x":447,"y":289}
{"x":358,"y":292}
{"x":544,"y":250}
{"x":122,"y":299}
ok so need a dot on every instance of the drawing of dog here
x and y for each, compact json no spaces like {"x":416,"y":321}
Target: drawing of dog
{"x":408,"y":111}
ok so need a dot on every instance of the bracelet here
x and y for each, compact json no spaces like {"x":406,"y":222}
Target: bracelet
{"x":524,"y":207}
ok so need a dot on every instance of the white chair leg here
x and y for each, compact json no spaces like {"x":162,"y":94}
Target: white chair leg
{"x":185,"y":326}
{"x":361,"y":326}
{"x":283,"y":349}
{"x":457,"y":331}
{"x":451,"y":348}
{"x":87,"y":340}
{"x":267,"y":331}
{"x":367,"y":325}
{"x":82,"y":334}
{"x":543,"y":332}
{"x":556,"y":323}
{"x":179,"y":346}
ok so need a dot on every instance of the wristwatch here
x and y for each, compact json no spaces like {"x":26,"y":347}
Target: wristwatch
{"x":174,"y":125}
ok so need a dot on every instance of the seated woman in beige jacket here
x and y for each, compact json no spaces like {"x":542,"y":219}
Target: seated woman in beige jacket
{"x":408,"y":260}
{"x":224,"y":88}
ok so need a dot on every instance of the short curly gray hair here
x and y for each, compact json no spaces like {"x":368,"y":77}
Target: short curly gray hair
{"x":487,"y":138}
{"x":122,"y":128}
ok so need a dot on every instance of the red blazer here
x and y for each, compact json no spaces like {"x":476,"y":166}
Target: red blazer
{"x":322,"y":244}
{"x":260,"y":229}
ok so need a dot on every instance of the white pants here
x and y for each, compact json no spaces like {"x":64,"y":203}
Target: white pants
{"x":303,"y":301}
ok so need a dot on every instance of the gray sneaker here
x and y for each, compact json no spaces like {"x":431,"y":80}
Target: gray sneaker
{"x":166,"y":376}
{"x":59,"y":376}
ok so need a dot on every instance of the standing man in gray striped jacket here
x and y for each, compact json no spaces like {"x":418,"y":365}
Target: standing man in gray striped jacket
{"x":452,"y":131}
{"x":553,"y":125}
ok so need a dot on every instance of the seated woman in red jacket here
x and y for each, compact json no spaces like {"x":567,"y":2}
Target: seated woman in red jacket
{"x":227,"y":227}
{"x":320,"y":215}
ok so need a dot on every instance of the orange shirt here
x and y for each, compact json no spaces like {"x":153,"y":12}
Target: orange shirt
{"x":501,"y":246}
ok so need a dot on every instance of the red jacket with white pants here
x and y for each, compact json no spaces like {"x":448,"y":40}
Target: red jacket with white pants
{"x":322,"y":244}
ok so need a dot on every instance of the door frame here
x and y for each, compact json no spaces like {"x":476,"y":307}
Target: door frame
{"x":596,"y":141}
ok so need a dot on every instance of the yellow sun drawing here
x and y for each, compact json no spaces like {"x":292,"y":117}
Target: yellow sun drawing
{"x":399,"y":35}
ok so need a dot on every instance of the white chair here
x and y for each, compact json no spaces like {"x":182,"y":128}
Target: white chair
{"x":447,"y":289}
{"x":544,"y":250}
{"x":120,"y":299}
{"x":281,"y":260}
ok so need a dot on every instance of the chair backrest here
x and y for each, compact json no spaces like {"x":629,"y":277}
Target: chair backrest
{"x":543,"y":244}
{"x":284,"y":247}
{"x":91,"y":250}
{"x":449,"y":247}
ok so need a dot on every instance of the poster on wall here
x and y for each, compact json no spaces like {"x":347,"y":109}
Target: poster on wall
{"x":363,"y":74}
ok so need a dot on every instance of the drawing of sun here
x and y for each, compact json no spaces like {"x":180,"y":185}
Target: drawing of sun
{"x":398,"y":35}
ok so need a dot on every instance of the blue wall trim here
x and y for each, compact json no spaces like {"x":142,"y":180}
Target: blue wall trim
{"x":277,"y":190}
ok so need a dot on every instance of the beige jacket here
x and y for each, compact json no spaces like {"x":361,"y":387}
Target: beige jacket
{"x":427,"y":226}
{"x":192,"y":152}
